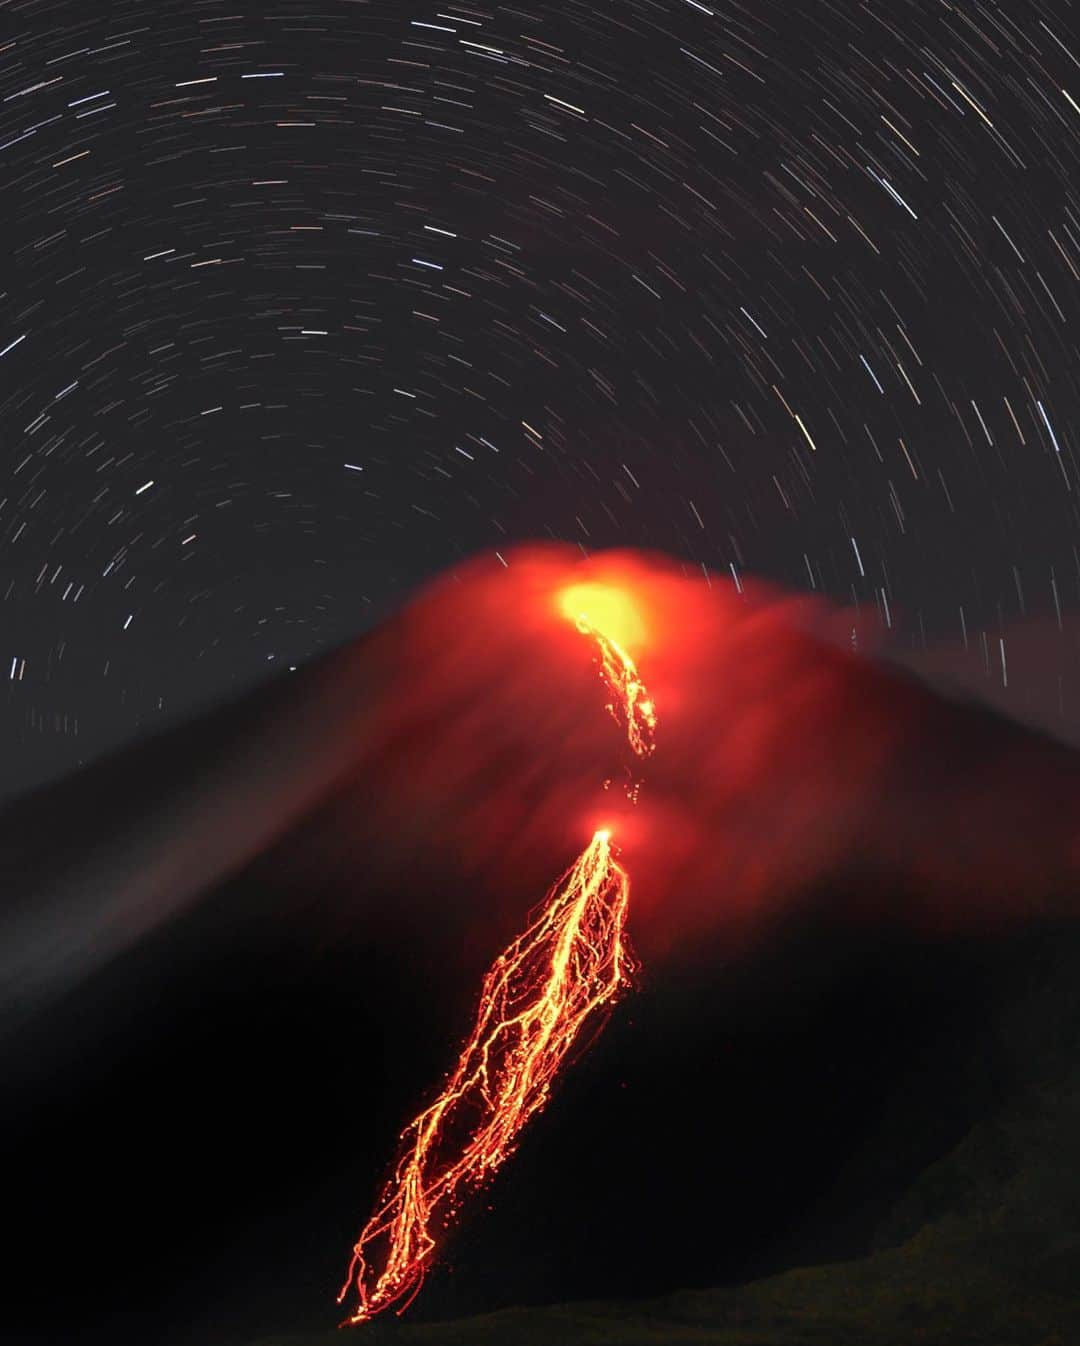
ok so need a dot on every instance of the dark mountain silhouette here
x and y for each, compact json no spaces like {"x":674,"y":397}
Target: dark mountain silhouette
{"x":236,"y":957}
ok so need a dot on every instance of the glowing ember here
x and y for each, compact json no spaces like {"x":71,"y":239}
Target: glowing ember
{"x":561,"y":974}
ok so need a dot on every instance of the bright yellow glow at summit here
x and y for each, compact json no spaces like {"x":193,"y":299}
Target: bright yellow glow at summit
{"x":607,"y":609}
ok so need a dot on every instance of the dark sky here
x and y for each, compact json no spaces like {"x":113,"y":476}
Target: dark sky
{"x":305,"y":301}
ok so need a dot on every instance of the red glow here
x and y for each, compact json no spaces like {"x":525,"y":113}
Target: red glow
{"x":796,"y":775}
{"x":567,"y":968}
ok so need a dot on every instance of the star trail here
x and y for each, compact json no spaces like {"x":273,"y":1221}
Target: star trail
{"x":304,"y":302}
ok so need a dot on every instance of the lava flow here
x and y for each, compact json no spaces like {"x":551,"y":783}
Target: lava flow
{"x":568,"y":967}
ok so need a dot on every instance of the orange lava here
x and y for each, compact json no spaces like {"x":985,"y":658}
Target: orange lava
{"x":560,"y":975}
{"x":631,"y":704}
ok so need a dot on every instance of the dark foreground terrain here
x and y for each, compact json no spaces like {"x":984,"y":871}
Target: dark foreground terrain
{"x":983,"y":1250}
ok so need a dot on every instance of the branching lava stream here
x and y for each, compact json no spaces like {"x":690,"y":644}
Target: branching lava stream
{"x":560,"y":975}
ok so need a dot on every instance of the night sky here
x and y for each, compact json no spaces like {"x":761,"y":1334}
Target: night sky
{"x":304,"y":302}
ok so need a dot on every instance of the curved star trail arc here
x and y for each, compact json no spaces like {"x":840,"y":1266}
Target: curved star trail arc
{"x":304,"y":304}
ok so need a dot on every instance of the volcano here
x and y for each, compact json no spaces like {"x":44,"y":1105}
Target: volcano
{"x":840,"y":1101}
